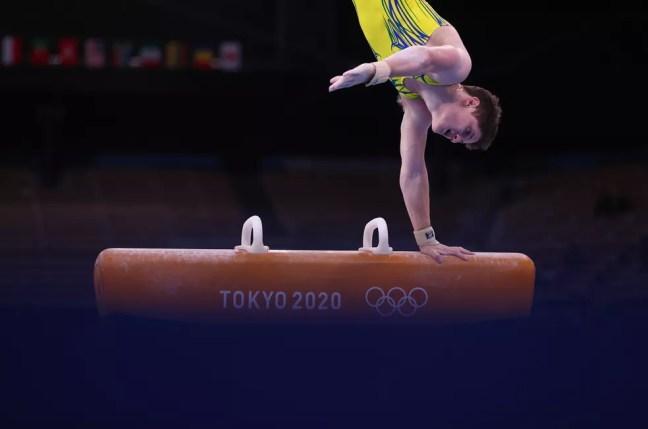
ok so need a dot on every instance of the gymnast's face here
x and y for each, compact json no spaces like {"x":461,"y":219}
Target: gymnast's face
{"x":456,"y":121}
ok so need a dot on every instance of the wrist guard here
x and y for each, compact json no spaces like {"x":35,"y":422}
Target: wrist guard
{"x":426,"y":237}
{"x":381,"y":74}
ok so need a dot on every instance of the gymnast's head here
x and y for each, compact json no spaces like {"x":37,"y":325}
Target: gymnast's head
{"x":471,"y":119}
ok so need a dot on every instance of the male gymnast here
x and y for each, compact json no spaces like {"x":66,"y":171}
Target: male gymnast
{"x":425,"y":59}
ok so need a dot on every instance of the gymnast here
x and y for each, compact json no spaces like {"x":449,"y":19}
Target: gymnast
{"x":425,"y":59}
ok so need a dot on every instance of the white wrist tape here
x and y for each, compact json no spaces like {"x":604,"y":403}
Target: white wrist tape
{"x":425,"y":237}
{"x":383,"y":71}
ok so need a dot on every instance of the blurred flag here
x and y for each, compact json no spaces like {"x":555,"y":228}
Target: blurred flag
{"x":176,"y":55}
{"x":40,"y":55}
{"x":203,"y":59}
{"x":95,"y":54}
{"x":122,"y":53}
{"x":69,"y":51}
{"x":230,"y":56}
{"x":151,"y":57}
{"x":11,"y":50}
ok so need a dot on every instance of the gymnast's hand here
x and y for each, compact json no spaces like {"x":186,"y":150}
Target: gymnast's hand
{"x":356,"y":76}
{"x":438,"y":251}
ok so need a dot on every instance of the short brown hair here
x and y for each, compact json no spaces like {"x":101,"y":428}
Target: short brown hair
{"x":488,"y":114}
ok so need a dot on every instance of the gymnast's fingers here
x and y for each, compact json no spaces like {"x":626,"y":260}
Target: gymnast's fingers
{"x":335,"y":85}
{"x":433,"y":253}
{"x":341,"y":83}
{"x":453,"y":251}
{"x":353,"y":72}
{"x":459,"y":255}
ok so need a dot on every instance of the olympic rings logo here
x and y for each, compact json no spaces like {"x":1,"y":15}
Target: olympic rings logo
{"x":396,"y":299}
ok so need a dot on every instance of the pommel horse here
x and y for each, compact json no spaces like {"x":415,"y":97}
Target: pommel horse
{"x":253,"y":283}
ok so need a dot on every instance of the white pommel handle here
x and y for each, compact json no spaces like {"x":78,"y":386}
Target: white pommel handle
{"x":251,"y":227}
{"x":383,"y":238}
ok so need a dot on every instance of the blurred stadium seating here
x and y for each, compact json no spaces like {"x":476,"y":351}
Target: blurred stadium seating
{"x":590,"y":251}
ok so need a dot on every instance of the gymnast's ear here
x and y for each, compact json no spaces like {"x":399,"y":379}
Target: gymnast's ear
{"x":471,"y":102}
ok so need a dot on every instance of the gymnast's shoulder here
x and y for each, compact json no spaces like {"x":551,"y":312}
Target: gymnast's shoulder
{"x":451,"y":54}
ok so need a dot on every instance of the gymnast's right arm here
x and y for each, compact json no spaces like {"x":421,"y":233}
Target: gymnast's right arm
{"x":414,"y":177}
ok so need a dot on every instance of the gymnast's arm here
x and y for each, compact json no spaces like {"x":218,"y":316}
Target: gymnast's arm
{"x":412,"y":61}
{"x":414,"y":177}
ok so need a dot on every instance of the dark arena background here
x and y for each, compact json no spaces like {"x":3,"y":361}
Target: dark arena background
{"x":167,"y":123}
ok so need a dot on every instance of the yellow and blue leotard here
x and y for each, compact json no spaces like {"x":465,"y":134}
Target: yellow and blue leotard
{"x":393,"y":25}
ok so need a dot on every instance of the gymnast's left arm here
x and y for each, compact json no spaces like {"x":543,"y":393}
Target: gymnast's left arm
{"x":413,"y":61}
